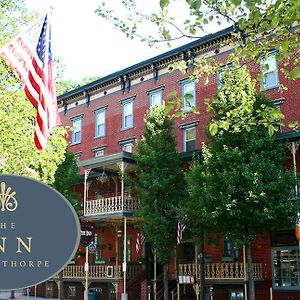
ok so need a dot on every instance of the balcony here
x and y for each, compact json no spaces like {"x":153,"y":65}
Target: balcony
{"x":111,"y":205}
{"x":100,"y":272}
{"x":222,"y":271}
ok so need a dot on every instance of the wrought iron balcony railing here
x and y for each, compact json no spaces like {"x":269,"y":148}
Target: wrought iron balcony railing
{"x":221,"y":271}
{"x":99,"y":272}
{"x":111,"y":205}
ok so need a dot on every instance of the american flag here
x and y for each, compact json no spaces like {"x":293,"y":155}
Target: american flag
{"x":140,"y":239}
{"x":30,"y":57}
{"x":180,"y":230}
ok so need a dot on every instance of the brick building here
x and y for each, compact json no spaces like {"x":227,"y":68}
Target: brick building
{"x":107,"y":117}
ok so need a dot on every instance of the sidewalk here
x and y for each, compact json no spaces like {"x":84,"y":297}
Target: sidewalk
{"x":20,"y":295}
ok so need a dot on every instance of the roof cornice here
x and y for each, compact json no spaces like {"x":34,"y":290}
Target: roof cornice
{"x":199,"y":45}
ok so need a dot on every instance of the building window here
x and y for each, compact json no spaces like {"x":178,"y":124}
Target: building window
{"x":127,"y":114}
{"x":188,"y":95}
{"x":236,"y":295}
{"x":127,"y":147}
{"x":76,"y":130}
{"x":99,"y":151}
{"x":286,"y":268}
{"x":220,"y":72}
{"x":189,"y":139}
{"x":269,"y":71}
{"x":155,"y":98}
{"x":72,"y":292}
{"x":100,"y":122}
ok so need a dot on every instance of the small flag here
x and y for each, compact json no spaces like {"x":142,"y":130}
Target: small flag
{"x":180,"y":230}
{"x":30,"y":57}
{"x":298,"y":227}
{"x":140,"y":239}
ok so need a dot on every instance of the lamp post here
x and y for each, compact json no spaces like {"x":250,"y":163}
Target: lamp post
{"x":119,"y":235}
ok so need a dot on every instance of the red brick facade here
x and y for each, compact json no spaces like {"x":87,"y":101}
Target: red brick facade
{"x":107,"y":93}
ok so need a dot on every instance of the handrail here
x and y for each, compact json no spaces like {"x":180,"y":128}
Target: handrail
{"x":221,"y":270}
{"x":106,"y":205}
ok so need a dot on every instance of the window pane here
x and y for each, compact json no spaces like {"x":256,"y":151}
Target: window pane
{"x":156,"y":99}
{"x":271,"y":79}
{"x":127,"y":147}
{"x":101,"y":130}
{"x":190,"y":134}
{"x":286,"y":267}
{"x":128,"y":109}
{"x":271,"y":63}
{"x":76,"y":135}
{"x":100,"y":117}
{"x":190,"y":146}
{"x":128,"y":121}
{"x":189,"y":101}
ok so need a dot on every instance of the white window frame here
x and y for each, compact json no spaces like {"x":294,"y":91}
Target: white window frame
{"x":125,"y":145}
{"x":76,"y":125}
{"x":185,"y":129}
{"x":153,"y":100}
{"x":100,"y":112}
{"x":188,"y":104}
{"x":220,"y":71}
{"x":126,"y":103}
{"x":270,"y":60}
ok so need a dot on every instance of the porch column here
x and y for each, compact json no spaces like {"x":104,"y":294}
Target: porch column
{"x":85,"y":189}
{"x":293,"y":147}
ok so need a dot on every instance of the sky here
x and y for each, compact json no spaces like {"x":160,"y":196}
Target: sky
{"x":87,"y":44}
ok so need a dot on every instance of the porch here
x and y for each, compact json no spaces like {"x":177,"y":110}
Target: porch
{"x":221,"y":271}
{"x":100,"y":272}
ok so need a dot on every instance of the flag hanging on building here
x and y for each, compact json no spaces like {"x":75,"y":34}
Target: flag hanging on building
{"x":140,"y":239}
{"x":298,"y":227}
{"x":30,"y":57}
{"x":180,"y":230}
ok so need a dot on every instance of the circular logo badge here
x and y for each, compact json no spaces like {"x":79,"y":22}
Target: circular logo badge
{"x":39,"y":232}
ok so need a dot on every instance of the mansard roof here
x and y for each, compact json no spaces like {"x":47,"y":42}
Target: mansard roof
{"x":203,"y":44}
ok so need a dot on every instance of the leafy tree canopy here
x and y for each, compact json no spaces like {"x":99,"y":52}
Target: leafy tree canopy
{"x":159,"y":182}
{"x":66,"y":177}
{"x":259,"y":25}
{"x":242,"y":187}
{"x":18,"y":154}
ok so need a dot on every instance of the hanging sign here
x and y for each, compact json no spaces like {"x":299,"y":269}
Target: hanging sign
{"x":87,"y":235}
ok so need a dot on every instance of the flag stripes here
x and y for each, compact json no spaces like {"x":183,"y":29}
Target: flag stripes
{"x":32,"y":62}
{"x":180,"y":230}
{"x":140,"y":239}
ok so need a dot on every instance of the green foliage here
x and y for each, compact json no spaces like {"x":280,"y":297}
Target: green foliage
{"x":242,"y":187}
{"x":66,"y":177}
{"x":18,"y":154}
{"x":273,"y":22}
{"x":159,"y":183}
{"x":235,"y":106}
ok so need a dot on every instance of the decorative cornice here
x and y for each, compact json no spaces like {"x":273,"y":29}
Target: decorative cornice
{"x":203,"y":45}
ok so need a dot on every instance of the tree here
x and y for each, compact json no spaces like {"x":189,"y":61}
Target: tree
{"x":275,"y":23}
{"x":159,"y":185}
{"x":66,"y":177}
{"x":18,"y":154}
{"x":242,"y":187}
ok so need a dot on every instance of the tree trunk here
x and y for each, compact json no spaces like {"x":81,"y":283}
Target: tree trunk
{"x":166,"y":282}
{"x":251,"y":287}
{"x":61,"y":285}
{"x":202,"y":267}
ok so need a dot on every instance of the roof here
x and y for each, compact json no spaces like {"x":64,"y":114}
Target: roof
{"x":148,"y":63}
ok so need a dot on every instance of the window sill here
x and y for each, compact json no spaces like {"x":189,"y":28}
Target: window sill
{"x":99,"y":137}
{"x":77,"y":143}
{"x":127,"y":128}
{"x":269,"y":88}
